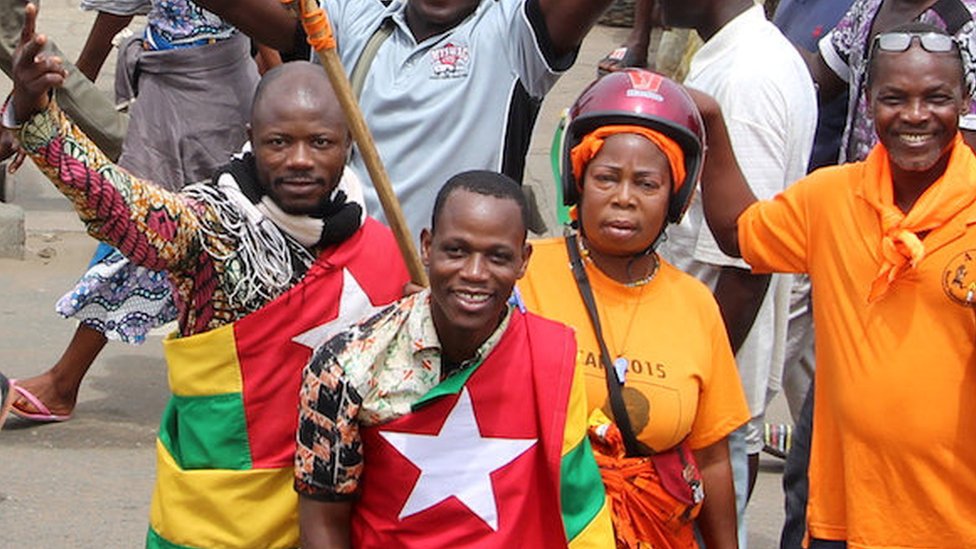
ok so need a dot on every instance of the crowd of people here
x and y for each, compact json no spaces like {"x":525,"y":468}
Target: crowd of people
{"x":804,"y":196}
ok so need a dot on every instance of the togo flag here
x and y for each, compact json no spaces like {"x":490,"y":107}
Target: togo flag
{"x":226,"y":445}
{"x":495,"y":456}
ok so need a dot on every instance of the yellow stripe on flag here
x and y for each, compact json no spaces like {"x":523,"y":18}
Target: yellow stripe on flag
{"x":576,"y":413}
{"x":224,"y":508}
{"x":203,"y":364}
{"x":598,"y":533}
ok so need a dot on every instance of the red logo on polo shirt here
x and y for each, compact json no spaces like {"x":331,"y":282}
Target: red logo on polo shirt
{"x":450,"y":61}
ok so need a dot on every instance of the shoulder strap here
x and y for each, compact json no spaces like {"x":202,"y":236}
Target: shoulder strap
{"x":357,"y":78}
{"x":954,"y":13}
{"x":617,"y":405}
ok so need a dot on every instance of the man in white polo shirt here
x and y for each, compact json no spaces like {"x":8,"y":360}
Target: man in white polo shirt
{"x":770,"y":107}
{"x":455,"y":86}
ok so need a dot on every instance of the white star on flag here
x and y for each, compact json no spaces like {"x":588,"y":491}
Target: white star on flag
{"x":458,"y":462}
{"x":354,"y":305}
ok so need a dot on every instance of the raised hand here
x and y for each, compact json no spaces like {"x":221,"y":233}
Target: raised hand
{"x":35,"y":73}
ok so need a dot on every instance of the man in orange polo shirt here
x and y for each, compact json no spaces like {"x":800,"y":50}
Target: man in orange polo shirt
{"x":890,"y":246}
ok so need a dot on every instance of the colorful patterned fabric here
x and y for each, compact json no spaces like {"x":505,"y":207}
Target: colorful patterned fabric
{"x":121,"y":300}
{"x":516,"y":412}
{"x":226,"y":443}
{"x":175,"y":23}
{"x":227,"y":434}
{"x":373,"y":372}
{"x":176,"y":88}
{"x":154,"y":228}
{"x":845,"y":50}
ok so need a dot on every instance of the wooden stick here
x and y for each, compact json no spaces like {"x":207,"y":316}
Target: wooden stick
{"x":324,"y":45}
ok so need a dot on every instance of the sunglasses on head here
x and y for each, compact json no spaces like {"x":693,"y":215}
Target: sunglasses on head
{"x":901,"y":41}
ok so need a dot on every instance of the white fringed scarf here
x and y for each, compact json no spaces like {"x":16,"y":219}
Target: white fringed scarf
{"x":271,"y":248}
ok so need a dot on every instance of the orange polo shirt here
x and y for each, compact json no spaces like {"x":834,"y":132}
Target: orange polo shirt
{"x":893,"y":460}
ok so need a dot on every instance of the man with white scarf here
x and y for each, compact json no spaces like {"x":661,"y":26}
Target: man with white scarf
{"x":266,"y":262}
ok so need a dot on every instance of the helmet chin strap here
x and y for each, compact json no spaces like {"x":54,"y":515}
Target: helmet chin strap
{"x":661,"y":238}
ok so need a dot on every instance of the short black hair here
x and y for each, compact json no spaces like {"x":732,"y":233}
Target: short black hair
{"x":483,"y":182}
{"x":916,"y":27}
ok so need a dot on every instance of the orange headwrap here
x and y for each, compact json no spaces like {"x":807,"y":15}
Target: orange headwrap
{"x":592,"y":142}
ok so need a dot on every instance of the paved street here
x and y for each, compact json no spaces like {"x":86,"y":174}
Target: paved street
{"x":86,"y":483}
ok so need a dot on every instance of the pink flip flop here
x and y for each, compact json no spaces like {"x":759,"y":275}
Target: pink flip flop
{"x":43,"y":414}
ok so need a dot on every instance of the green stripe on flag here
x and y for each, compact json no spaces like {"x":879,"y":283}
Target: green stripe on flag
{"x":581,"y":488}
{"x":155,"y":541}
{"x":206,"y":432}
{"x":450,"y":386}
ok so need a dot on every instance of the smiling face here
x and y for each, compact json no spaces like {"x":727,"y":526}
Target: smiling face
{"x":299,"y":138}
{"x":916,"y":100}
{"x":474,"y":256}
{"x":626,"y":188}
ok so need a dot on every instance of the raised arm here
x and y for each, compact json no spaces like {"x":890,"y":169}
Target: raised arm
{"x":99,"y":42}
{"x":267,"y":21}
{"x":152,"y":227}
{"x":725,"y":193}
{"x":568,"y":21}
{"x":91,"y":109}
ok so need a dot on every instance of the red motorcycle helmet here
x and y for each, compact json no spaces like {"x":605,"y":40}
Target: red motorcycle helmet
{"x":642,"y":98}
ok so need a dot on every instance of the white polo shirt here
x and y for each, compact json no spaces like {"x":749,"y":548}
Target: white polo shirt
{"x":770,"y":108}
{"x":464,"y":99}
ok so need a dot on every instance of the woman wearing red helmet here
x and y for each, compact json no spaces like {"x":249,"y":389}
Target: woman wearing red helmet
{"x":652,"y":346}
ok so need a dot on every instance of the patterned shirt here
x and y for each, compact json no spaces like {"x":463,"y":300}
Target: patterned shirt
{"x":174,"y":23}
{"x":845,"y":50}
{"x":370,"y":374}
{"x":155,"y":228}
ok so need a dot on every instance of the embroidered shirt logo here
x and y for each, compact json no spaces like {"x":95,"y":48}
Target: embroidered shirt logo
{"x":450,"y":61}
{"x":959,"y":278}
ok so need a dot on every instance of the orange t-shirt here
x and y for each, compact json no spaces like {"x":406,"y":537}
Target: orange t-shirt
{"x":893,"y":460}
{"x":682,"y":380}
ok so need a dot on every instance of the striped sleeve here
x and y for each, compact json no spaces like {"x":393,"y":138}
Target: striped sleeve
{"x":585,"y":508}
